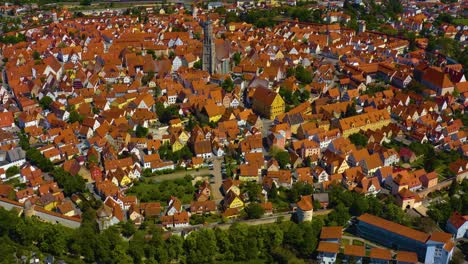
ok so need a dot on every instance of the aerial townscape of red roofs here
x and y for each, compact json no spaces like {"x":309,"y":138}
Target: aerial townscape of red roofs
{"x":199,"y":115}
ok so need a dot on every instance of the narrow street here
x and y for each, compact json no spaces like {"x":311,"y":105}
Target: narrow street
{"x":267,"y":219}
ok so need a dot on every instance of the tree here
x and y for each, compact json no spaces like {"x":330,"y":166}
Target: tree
{"x":45,"y":102}
{"x":228,"y":85}
{"x":200,"y":246}
{"x":351,"y":110}
{"x":358,"y":139}
{"x":339,"y":216}
{"x":128,"y":228}
{"x":36,"y":55}
{"x":147,"y":78}
{"x":454,"y":187}
{"x":12,"y":171}
{"x":283,"y":158}
{"x":253,"y":191}
{"x":290,"y":72}
{"x":303,"y":75}
{"x":75,"y":117}
{"x":85,"y":2}
{"x":254,"y":211}
{"x":358,"y":207}
{"x":141,"y":131}
{"x":231,"y":17}
{"x":36,"y":158}
{"x":299,"y":189}
{"x":165,"y":114}
{"x":70,"y":184}
{"x":443,"y":18}
{"x":236,"y":58}
{"x":197,"y":65}
{"x":12,"y":39}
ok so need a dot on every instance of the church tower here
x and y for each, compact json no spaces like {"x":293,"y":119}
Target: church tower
{"x":209,"y":56}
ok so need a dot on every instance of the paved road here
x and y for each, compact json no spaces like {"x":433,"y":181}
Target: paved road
{"x":269,"y":219}
{"x":441,"y":185}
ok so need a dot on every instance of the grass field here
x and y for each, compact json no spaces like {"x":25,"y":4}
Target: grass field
{"x":358,"y":243}
{"x":345,"y":241}
{"x":463,"y":21}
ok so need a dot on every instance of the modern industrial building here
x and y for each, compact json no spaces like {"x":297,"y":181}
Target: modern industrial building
{"x":434,"y":248}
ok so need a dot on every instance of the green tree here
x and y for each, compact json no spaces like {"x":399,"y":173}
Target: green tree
{"x":359,"y":139}
{"x":454,"y":188}
{"x":70,"y":184}
{"x":283,"y":158}
{"x":45,"y":102}
{"x":351,"y":110}
{"x":236,"y":58}
{"x":36,"y":55}
{"x":12,"y":171}
{"x":290,"y":72}
{"x":141,"y":131}
{"x":75,"y":117}
{"x":303,"y":75}
{"x":228,"y":85}
{"x":231,"y":17}
{"x":254,"y":211}
{"x":200,"y":246}
{"x":147,"y":78}
{"x":253,"y":191}
{"x":197,"y":65}
{"x":128,"y":228}
{"x":339,"y":216}
{"x":85,"y":2}
{"x":165,"y":114}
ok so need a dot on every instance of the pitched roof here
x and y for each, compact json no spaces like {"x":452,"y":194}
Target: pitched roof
{"x":266,"y":96}
{"x":352,"y":250}
{"x":305,"y":204}
{"x":331,"y":232}
{"x":436,"y":76}
{"x":394,"y":227}
{"x":457,"y":220}
{"x":328,"y":247}
{"x":380,"y":253}
{"x":406,"y":256}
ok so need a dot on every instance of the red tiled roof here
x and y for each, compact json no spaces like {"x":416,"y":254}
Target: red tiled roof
{"x":380,"y":253}
{"x":457,"y":219}
{"x":406,"y":256}
{"x":328,"y":247}
{"x":352,"y":250}
{"x":394,"y":227}
{"x":305,"y":204}
{"x":331,"y":232}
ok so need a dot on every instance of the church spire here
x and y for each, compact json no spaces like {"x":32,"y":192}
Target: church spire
{"x":208,"y":47}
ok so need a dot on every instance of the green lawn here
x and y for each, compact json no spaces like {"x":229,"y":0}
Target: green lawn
{"x":150,"y":191}
{"x":463,"y":21}
{"x":344,"y":241}
{"x":358,"y":243}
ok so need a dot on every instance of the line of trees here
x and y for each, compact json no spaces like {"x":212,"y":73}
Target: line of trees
{"x":283,"y":242}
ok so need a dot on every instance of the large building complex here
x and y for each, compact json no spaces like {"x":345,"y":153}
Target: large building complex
{"x":430,"y":248}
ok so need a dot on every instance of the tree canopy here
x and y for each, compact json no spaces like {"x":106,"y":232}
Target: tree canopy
{"x":359,"y":139}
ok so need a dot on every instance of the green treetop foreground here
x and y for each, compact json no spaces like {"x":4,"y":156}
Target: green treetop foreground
{"x":240,"y":243}
{"x":281,"y":242}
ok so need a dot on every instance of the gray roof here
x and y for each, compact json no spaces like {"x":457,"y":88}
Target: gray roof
{"x":321,"y":197}
{"x":15,"y":154}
